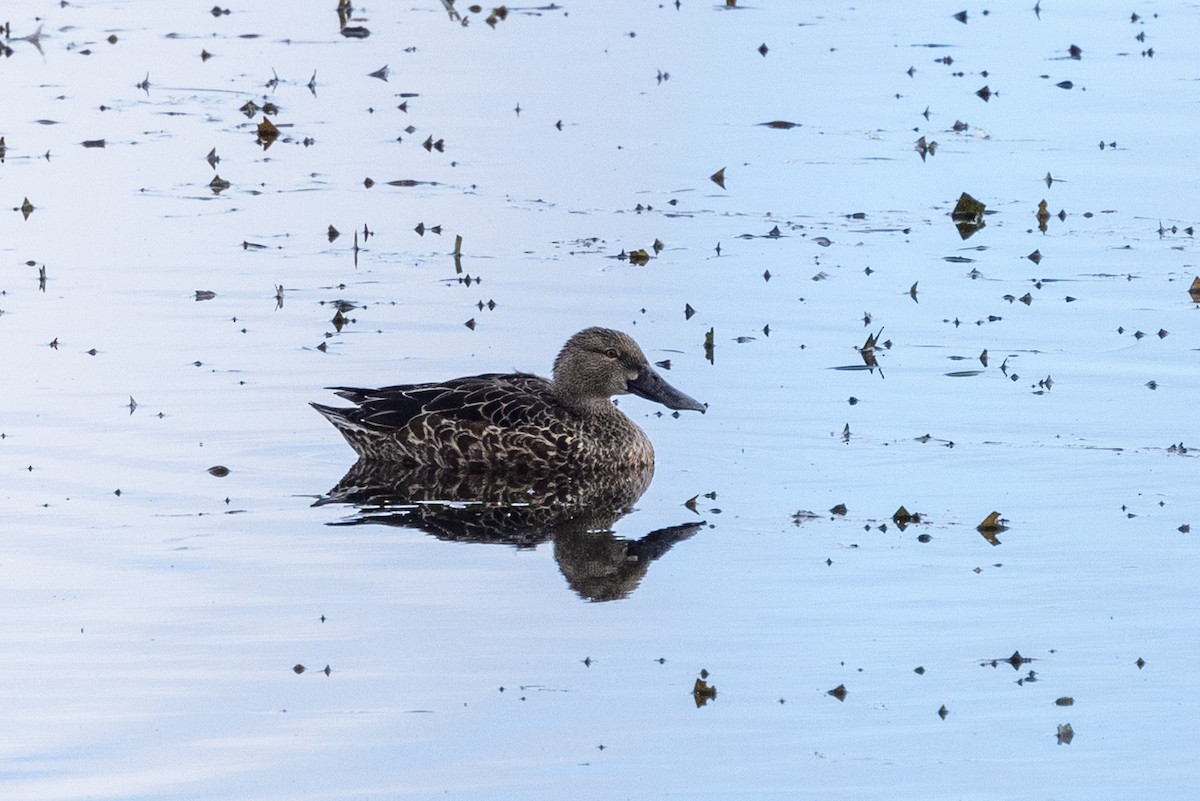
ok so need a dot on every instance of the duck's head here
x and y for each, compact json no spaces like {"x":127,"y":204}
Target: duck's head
{"x":598,"y":363}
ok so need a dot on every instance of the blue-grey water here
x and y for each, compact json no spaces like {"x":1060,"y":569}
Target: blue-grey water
{"x":155,"y":613}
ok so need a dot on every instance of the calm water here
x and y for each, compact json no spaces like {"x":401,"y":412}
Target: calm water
{"x":155,"y":611}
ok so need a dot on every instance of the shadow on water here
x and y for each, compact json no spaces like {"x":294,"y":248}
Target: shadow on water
{"x":576,"y":511}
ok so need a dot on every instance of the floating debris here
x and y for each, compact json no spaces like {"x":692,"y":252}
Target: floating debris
{"x":718,"y":177}
{"x":991,"y":526}
{"x":381,"y":73}
{"x":968,"y":215}
{"x":838,"y":692}
{"x":1065,"y":734}
{"x":780,"y":125}
{"x":925,"y":148}
{"x":218,"y":185}
{"x":267,"y":133}
{"x":902,"y":518}
{"x":703,"y":692}
{"x":204,"y":294}
{"x":220,"y":470}
{"x":26,"y":209}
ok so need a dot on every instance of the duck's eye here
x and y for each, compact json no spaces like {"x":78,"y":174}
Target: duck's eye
{"x":611,"y":353}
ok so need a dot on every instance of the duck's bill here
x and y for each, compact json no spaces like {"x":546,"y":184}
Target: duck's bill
{"x":651,"y":386}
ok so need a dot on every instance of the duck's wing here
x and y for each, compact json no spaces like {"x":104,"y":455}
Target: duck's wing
{"x":501,"y":399}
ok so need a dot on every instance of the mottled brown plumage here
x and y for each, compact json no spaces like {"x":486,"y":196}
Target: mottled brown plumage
{"x":515,"y":421}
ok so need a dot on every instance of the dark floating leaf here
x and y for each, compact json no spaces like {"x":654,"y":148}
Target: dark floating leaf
{"x":943,"y":712}
{"x":991,"y":527}
{"x":470,"y":323}
{"x":1065,"y":85}
{"x":298,"y":669}
{"x":968,"y":215}
{"x":1074,"y":52}
{"x":92,"y":143}
{"x":218,"y":185}
{"x":204,"y":294}
{"x":702,"y":692}
{"x":212,"y":158}
{"x":985,"y":94}
{"x":718,"y":177}
{"x":333,"y":233}
{"x":1194,"y":289}
{"x":639,"y":257}
{"x":267,"y":133}
{"x":961,"y":17}
{"x":381,"y":73}
{"x":838,"y":692}
{"x":780,"y":125}
{"x":688,"y":311}
{"x":1035,"y":257}
{"x":356,"y":32}
{"x":1065,"y":700}
{"x":27,"y":209}
{"x":1065,"y":734}
{"x":220,"y":471}
{"x":1141,"y":663}
{"x":925,"y":148}
{"x":763,"y":49}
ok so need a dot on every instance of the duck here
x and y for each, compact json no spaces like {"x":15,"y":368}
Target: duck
{"x":515,"y":422}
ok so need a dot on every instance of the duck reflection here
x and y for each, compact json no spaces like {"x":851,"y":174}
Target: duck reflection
{"x":576,"y":511}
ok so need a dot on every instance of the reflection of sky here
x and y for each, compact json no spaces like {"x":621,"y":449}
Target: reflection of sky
{"x":152,"y":633}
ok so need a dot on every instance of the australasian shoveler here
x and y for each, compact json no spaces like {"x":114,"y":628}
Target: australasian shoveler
{"x":515,"y":421}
